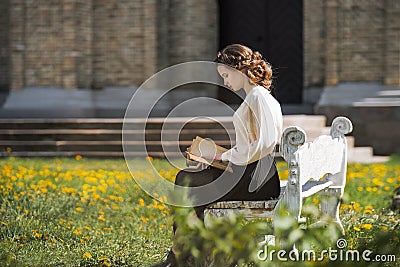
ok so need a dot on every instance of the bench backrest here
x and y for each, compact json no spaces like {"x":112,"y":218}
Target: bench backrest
{"x":327,"y":155}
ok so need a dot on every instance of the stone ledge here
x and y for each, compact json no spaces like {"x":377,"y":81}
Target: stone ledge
{"x":374,"y":110}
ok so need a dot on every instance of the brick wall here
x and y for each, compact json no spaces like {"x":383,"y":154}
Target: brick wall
{"x":95,"y":44}
{"x":83,"y":44}
{"x":351,"y":41}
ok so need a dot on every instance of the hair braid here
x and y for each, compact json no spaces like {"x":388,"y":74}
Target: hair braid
{"x":248,"y":62}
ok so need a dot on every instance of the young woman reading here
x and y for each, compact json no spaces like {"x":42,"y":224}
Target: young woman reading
{"x":258,"y":127}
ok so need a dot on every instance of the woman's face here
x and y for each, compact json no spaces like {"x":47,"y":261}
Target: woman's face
{"x":232,"y":78}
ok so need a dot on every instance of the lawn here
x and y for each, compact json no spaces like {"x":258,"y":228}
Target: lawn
{"x":88,"y":212}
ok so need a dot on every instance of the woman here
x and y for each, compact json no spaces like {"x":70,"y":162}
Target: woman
{"x":258,"y":128}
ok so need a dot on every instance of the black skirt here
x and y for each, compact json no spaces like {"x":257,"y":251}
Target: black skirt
{"x":240,"y":191}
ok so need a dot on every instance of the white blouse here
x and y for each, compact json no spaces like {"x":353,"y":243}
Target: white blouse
{"x":258,"y":126}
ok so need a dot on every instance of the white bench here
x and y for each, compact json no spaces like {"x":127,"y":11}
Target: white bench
{"x":308,"y":163}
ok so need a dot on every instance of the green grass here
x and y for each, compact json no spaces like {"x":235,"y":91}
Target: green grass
{"x":87,"y":212}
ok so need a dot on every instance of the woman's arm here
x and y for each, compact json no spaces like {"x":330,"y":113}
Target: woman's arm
{"x":253,"y":144}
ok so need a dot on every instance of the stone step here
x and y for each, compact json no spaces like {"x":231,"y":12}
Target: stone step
{"x":364,"y":155}
{"x":153,"y":146}
{"x":113,"y":135}
{"x":103,"y":137}
{"x":117,"y":124}
{"x":303,"y":121}
{"x":95,"y":154}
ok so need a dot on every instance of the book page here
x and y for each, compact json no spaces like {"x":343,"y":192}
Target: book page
{"x":202,"y":150}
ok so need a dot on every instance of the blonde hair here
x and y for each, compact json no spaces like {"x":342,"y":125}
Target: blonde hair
{"x":248,"y":62}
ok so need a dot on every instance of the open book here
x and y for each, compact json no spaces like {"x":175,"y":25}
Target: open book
{"x":202,"y":150}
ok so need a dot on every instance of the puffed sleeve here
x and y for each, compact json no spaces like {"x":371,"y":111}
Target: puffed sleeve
{"x":252,"y":146}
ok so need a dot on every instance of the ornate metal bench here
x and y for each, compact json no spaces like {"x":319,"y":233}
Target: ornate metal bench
{"x":317,"y":167}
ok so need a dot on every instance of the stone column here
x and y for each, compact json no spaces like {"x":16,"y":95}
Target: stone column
{"x":83,"y":43}
{"x":4,"y":46}
{"x":17,"y":43}
{"x":313,"y":42}
{"x":77,"y":42}
{"x":331,"y":42}
{"x":193,"y":30}
{"x":392,"y":43}
{"x":150,"y":37}
{"x":192,"y":35}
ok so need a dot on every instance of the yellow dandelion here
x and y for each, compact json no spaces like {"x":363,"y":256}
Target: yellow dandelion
{"x":384,"y":228}
{"x":88,"y":228}
{"x":101,"y":212}
{"x":87,"y":255}
{"x":377,"y":182}
{"x":386,"y":188}
{"x":78,"y":157}
{"x":144,"y":219}
{"x":4,"y":223}
{"x":360,"y":188}
{"x":368,"y":211}
{"x":38,"y":235}
{"x":149,"y":158}
{"x":8,"y":149}
{"x":101,"y":219}
{"x":356,"y":228}
{"x":79,"y":209}
{"x":315,"y":200}
{"x":367,"y":226}
{"x":390,"y":180}
{"x":76,"y":232}
{"x":107,"y":229}
{"x":26,"y":212}
{"x":141,"y":202}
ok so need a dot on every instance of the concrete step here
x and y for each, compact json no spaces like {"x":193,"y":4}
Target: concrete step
{"x":90,"y":154}
{"x":113,"y":135}
{"x":304,"y":121}
{"x":103,"y":137}
{"x":364,"y":155}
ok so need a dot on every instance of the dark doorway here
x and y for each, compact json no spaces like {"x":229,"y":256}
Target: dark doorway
{"x":273,"y":27}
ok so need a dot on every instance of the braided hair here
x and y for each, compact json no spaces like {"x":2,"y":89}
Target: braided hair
{"x":248,"y":62}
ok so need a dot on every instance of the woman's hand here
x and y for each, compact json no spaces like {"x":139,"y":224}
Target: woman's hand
{"x":218,"y":157}
{"x":202,"y":166}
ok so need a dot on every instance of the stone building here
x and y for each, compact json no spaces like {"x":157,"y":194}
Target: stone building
{"x":330,"y":57}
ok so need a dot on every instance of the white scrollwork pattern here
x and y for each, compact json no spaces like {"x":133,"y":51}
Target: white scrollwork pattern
{"x":341,"y":126}
{"x":292,"y":138}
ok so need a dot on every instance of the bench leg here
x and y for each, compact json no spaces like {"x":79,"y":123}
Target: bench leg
{"x":330,"y":204}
